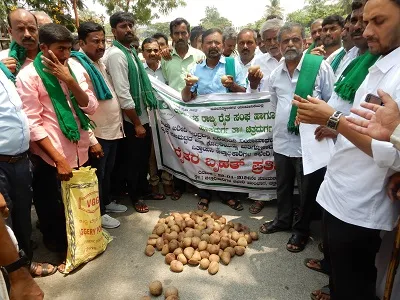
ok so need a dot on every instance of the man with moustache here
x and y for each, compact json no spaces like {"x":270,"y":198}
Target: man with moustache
{"x":246,"y":43}
{"x":135,"y":95}
{"x":56,"y":99}
{"x":229,"y":39}
{"x":267,"y":62}
{"x":108,"y":117}
{"x":23,"y":29}
{"x":316,"y":30}
{"x":301,"y":74}
{"x":209,"y":73}
{"x":353,"y":194}
{"x":331,"y":37}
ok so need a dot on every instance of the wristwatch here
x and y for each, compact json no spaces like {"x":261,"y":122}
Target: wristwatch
{"x":333,"y":120}
{"x":23,"y":261}
{"x":395,"y":138}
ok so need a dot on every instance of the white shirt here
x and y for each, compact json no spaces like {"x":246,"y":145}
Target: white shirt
{"x":331,"y":57}
{"x":282,"y":88}
{"x":245,"y":67}
{"x":157,"y":73}
{"x":117,"y":67}
{"x":267,"y":64}
{"x":108,"y":115}
{"x":354,"y":189}
{"x":336,"y":101}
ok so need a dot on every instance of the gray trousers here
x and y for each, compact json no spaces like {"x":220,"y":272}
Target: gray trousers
{"x":287,"y":170}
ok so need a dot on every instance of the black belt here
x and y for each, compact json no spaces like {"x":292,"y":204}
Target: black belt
{"x":12,"y":159}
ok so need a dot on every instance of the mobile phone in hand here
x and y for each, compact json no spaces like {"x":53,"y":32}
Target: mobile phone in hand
{"x":371,"y":98}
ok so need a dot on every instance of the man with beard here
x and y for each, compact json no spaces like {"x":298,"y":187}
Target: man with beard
{"x":209,"y":73}
{"x":267,"y":62}
{"x":303,"y":74}
{"x":247,"y":43}
{"x":229,"y":39}
{"x":56,"y":99}
{"x":24,"y":47}
{"x":184,"y":56}
{"x":108,"y":117}
{"x":135,"y":95}
{"x":353,"y":195}
{"x":330,"y":37}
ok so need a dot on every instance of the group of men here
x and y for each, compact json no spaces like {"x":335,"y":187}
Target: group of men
{"x":45,"y":115}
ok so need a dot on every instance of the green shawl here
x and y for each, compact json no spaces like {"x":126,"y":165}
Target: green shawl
{"x":354,"y":75}
{"x":312,"y":46}
{"x":139,"y":82}
{"x":305,"y":85}
{"x":7,"y":72}
{"x":336,"y":61}
{"x":19,"y":54}
{"x":60,"y":103}
{"x":100,"y":86}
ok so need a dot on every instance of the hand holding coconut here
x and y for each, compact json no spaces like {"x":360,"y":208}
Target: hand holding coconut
{"x":191,"y":80}
{"x":255,"y":76}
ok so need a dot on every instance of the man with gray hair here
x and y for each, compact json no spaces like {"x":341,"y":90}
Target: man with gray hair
{"x":229,"y":37}
{"x":305,"y":74}
{"x":42,"y":18}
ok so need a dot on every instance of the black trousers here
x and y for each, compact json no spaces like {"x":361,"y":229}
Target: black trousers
{"x":352,"y":250}
{"x":224,"y":196}
{"x":137,"y":154}
{"x":48,"y":203}
{"x":16,"y":187}
{"x":287,"y":170}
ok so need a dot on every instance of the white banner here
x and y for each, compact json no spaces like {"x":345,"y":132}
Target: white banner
{"x":218,"y":141}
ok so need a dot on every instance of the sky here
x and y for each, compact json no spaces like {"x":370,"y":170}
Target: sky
{"x":234,"y":10}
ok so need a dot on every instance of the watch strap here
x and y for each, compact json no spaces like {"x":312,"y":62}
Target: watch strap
{"x":23,"y":261}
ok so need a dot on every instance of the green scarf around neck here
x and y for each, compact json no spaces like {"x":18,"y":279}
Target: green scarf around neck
{"x":60,"y":103}
{"x":337,"y":60}
{"x":139,"y":82}
{"x":305,"y":85}
{"x":354,"y":75}
{"x":312,"y":46}
{"x":19,"y":54}
{"x":99,"y":84}
{"x":7,"y":72}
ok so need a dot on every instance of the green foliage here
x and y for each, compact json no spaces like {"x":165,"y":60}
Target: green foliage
{"x":143,"y":10}
{"x":162,"y":27}
{"x":213,"y":19}
{"x":315,"y":9}
{"x":274,"y":9}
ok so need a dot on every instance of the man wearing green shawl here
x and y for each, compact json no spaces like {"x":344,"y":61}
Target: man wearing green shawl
{"x":108,"y":116}
{"x":135,"y":95}
{"x":56,"y":99}
{"x":297,"y":73}
{"x":24,"y":48}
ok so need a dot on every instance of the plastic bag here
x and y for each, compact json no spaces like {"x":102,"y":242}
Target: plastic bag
{"x":86,"y":238}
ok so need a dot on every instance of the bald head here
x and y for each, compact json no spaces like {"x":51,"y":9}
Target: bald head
{"x":42,"y":18}
{"x":23,"y":28}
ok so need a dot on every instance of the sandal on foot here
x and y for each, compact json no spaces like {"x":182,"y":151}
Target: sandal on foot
{"x":315,"y":262}
{"x":176,"y":195}
{"x":141,"y":207}
{"x":297,"y":240}
{"x":236,"y":206}
{"x":271,"y":227}
{"x":203,"y":204}
{"x":256,"y":207}
{"x":324,"y":292}
{"x":154,"y":196}
{"x":45,"y":269}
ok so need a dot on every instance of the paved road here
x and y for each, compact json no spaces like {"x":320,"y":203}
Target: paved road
{"x":267,"y":271}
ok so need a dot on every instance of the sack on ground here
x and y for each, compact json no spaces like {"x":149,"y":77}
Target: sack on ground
{"x":86,"y":238}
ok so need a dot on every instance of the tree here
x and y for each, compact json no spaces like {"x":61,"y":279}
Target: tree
{"x":213,"y":19}
{"x":274,"y":9}
{"x":346,"y":5}
{"x":315,"y":9}
{"x":143,"y":10}
{"x":162,"y":27}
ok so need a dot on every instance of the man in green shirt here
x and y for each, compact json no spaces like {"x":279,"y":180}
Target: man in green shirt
{"x":183,"y":56}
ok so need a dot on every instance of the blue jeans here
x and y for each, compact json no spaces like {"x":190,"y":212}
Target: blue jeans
{"x":16,"y":187}
{"x":104,"y":166}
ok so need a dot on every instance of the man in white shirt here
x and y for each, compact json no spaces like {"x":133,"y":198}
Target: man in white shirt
{"x":108,"y":116}
{"x":287,"y":146}
{"x":246,"y":44}
{"x":151,"y":54}
{"x":353,"y":194}
{"x":332,"y":28}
